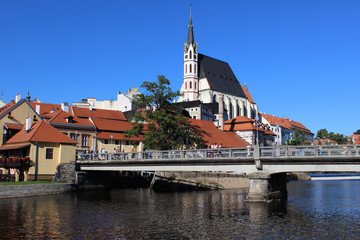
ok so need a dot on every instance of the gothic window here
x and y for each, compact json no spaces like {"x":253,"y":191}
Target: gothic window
{"x":185,"y":68}
{"x":190,"y":66}
{"x":194,"y":56}
{"x":195,"y":85}
{"x":190,"y":54}
{"x":190,"y":85}
{"x":195,"y":68}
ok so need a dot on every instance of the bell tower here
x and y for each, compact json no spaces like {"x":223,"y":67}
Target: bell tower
{"x":191,"y":81}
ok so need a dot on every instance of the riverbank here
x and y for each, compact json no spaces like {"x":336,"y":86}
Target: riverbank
{"x":30,"y":190}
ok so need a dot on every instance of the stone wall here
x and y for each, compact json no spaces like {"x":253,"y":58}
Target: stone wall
{"x":29,"y":190}
{"x":65,"y":172}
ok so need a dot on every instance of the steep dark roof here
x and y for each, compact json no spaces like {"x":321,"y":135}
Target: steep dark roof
{"x":220,"y":76}
{"x":190,"y":38}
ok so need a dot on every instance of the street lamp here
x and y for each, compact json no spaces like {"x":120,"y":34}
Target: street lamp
{"x":257,"y":130}
{"x":111,"y":136}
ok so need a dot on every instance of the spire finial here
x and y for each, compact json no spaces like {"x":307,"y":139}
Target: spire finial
{"x":190,"y":39}
{"x":28,"y":97}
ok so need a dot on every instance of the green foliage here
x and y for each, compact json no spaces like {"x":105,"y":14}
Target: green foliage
{"x":357,"y":132}
{"x":337,"y":137}
{"x":161,"y":126}
{"x":299,"y":138}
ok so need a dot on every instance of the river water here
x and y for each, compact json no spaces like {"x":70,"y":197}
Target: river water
{"x":314,"y":210}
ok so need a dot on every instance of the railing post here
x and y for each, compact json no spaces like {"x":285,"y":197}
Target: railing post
{"x":182,"y":154}
{"x":349,"y":151}
{"x":257,"y":157}
{"x":230,"y":153}
{"x":286,"y":151}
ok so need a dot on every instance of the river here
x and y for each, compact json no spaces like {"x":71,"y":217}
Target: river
{"x":314,"y":210}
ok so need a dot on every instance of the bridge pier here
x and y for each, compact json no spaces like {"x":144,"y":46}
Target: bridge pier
{"x":264,"y":187}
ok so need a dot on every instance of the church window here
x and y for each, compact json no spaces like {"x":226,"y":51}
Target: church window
{"x":190,"y":85}
{"x":190,"y":66}
{"x":185,"y":68}
{"x":194,"y":56}
{"x":190,"y":54}
{"x":195,"y":69}
{"x":195,"y":85}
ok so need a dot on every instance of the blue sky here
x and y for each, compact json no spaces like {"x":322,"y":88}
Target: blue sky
{"x":299,"y":58}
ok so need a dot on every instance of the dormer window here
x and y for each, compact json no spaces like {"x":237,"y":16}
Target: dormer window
{"x":70,"y":119}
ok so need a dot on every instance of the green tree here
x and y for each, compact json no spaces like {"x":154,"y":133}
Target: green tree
{"x":357,"y":132}
{"x":162,"y":127}
{"x":322,"y":133}
{"x":299,"y":138}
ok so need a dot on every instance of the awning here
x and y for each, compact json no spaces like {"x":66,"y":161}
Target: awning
{"x":14,"y":146}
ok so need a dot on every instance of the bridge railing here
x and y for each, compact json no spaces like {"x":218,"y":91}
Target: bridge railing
{"x":171,"y":154}
{"x":310,"y":151}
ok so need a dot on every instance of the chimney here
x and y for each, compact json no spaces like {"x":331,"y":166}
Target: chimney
{"x":37,"y":109}
{"x":221,"y":112}
{"x":91,"y":108}
{"x":28,"y":124}
{"x":17,"y":98}
{"x":65,"y":107}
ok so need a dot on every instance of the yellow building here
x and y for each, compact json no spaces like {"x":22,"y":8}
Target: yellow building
{"x":37,"y":150}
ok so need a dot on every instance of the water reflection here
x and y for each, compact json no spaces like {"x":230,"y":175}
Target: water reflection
{"x":320,"y":210}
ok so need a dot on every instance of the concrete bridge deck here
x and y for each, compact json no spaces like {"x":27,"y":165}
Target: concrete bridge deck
{"x":328,"y":158}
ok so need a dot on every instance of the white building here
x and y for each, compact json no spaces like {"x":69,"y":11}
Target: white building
{"x":206,"y":79}
{"x":284,"y":128}
{"x":123,"y":103}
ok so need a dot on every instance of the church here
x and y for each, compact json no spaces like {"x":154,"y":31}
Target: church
{"x":210,"y":85}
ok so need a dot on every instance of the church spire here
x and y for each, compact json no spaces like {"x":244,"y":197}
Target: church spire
{"x":190,"y":38}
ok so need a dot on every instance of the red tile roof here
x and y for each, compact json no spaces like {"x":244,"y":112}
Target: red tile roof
{"x":40,"y":131}
{"x":285,"y":123}
{"x":247,"y":93}
{"x":212,"y":134}
{"x":62,"y":117}
{"x":13,"y":126}
{"x":45,"y":107}
{"x":98,"y":113}
{"x":324,"y":141}
{"x":241,"y":123}
{"x":111,"y":125}
{"x":355,"y":138}
{"x":7,"y":107}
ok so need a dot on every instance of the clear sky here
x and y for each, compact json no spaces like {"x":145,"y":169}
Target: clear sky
{"x":299,"y":58}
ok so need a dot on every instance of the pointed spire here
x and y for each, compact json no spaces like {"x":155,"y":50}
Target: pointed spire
{"x":28,"y":97}
{"x":190,"y":38}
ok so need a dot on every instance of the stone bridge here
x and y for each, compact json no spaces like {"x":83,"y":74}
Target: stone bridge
{"x":265,"y":166}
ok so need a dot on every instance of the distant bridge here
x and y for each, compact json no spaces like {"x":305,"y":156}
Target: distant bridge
{"x":276,"y":159}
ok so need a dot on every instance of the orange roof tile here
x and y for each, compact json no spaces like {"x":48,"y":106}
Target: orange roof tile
{"x":247,"y":93}
{"x":211,"y":134}
{"x":45,"y":107}
{"x":13,"y":126}
{"x":62,"y":117}
{"x":285,"y":123}
{"x":7,"y":107}
{"x":98,"y":113}
{"x":112,"y":125}
{"x":324,"y":141}
{"x":355,"y":138}
{"x":41,"y":131}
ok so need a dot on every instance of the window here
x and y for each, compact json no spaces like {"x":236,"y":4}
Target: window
{"x":127,"y":143}
{"x":190,"y":67}
{"x":73,"y":136}
{"x":190,"y":83}
{"x":84,"y":140}
{"x":117,"y":142}
{"x":195,"y":85}
{"x":185,"y":68}
{"x":49,"y":153}
{"x":195,"y":68}
{"x":106,"y":141}
{"x":190,"y":54}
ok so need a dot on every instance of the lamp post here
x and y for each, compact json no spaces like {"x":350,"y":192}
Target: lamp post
{"x":257,"y":130}
{"x":111,"y":136}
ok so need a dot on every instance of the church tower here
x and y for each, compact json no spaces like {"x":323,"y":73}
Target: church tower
{"x":191,"y":81}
